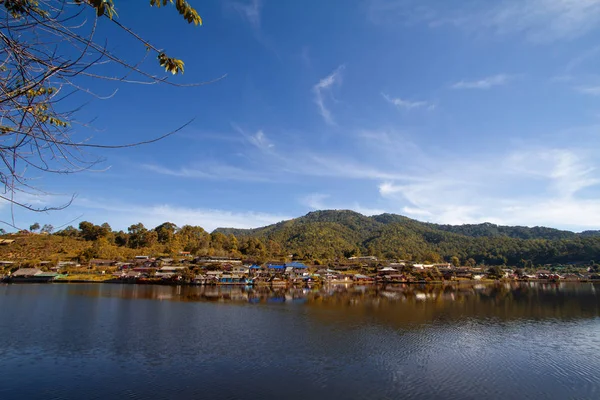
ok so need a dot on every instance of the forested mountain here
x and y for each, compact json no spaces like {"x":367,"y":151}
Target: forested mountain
{"x":329,"y":234}
{"x":325,"y":236}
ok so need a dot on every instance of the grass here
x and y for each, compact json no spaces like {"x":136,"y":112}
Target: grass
{"x":86,"y":277}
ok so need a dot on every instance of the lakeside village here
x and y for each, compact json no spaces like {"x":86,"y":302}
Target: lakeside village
{"x":186,"y":269}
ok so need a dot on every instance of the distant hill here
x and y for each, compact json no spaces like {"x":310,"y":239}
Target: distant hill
{"x":332,"y":233}
{"x":360,"y":223}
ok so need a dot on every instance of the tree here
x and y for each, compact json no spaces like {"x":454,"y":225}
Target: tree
{"x":90,"y":231}
{"x":455,"y":261}
{"x":51,"y":49}
{"x":166,"y":232}
{"x":137,"y":234}
{"x":69,"y":231}
{"x":34,"y":227}
{"x":47,"y":228}
{"x":495,"y":272}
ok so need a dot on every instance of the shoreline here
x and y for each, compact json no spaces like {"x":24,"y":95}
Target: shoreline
{"x":291,"y":285}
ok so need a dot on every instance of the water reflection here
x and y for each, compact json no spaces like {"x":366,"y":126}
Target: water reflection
{"x":497,"y":341}
{"x":403,"y":303}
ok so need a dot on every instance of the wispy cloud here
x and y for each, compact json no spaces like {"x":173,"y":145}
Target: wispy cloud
{"x":250,"y":11}
{"x":323,"y":87}
{"x":315,"y":201}
{"x":407,"y":104}
{"x":259,"y":139}
{"x":210,"y":171}
{"x":539,"y":21}
{"x":593,"y":90}
{"x":485,"y":83}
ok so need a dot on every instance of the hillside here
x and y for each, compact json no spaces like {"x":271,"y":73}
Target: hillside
{"x":335,"y":233}
{"x":321,"y":235}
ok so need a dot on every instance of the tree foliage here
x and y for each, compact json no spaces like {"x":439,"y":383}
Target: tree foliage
{"x":50,"y":50}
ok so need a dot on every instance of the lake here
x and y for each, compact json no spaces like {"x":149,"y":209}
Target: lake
{"x":498,"y":341}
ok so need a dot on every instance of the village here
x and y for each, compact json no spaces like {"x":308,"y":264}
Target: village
{"x":187,"y":269}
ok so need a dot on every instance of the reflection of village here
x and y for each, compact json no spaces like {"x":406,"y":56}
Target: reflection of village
{"x":492,"y":298}
{"x":228,"y":271}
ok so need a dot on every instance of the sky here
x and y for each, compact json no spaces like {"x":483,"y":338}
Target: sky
{"x":444,"y":111}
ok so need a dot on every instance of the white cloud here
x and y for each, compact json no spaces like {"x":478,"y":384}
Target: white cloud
{"x":315,"y":201}
{"x":259,"y":139}
{"x":539,"y":21}
{"x":212,"y":171}
{"x":545,"y":21}
{"x":406,"y":104}
{"x":485,"y":83}
{"x":250,"y":11}
{"x":536,"y":186}
{"x":324,"y":86}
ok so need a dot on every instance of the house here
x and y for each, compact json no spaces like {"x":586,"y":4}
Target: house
{"x":463,"y":272}
{"x":169,"y":272}
{"x":32,"y":275}
{"x":240,"y":269}
{"x":543,"y":274}
{"x":296,"y":265}
{"x":386,"y":271}
{"x":131,"y":275}
{"x":231,"y":279}
{"x":217,"y":260}
{"x":26,"y":272}
{"x":363,"y":278}
{"x":6,"y":263}
{"x":63,"y":264}
{"x":96,"y":262}
{"x":394,"y":278}
{"x":339,"y":278}
{"x":423,"y":266}
{"x":397,"y":264}
{"x":123,"y":265}
{"x":276,"y":267}
{"x":364,"y":258}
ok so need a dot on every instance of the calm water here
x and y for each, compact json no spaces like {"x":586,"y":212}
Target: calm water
{"x":99,"y":341}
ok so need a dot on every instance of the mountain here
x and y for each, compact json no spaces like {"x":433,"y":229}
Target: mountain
{"x":335,"y":233}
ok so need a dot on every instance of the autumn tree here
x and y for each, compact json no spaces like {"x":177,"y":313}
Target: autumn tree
{"x":51,"y":49}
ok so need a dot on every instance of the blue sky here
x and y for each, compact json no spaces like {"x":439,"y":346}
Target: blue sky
{"x":450,"y":112}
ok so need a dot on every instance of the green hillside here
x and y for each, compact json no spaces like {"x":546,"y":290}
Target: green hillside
{"x":332,"y":233}
{"x":321,"y":235}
